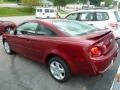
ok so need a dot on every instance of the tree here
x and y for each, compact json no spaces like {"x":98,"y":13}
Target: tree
{"x":95,"y":2}
{"x":108,"y":2}
{"x":77,"y":1}
{"x":60,"y":2}
{"x":31,"y":2}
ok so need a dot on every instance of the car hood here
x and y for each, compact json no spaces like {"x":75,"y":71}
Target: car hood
{"x":6,"y":22}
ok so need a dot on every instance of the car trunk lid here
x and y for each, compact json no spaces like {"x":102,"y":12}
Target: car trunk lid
{"x":103,"y":39}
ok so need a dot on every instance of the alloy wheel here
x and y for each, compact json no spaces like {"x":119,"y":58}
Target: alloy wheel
{"x":57,"y":70}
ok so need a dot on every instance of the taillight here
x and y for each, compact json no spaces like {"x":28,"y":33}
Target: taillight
{"x":95,"y":51}
{"x":113,"y":25}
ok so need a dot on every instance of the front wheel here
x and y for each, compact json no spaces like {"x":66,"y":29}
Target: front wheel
{"x":59,"y":69}
{"x":7,"y":47}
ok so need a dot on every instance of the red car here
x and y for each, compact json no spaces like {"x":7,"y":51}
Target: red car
{"x":67,"y":47}
{"x":6,"y":26}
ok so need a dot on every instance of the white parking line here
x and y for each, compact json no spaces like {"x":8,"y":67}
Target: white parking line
{"x":113,"y":87}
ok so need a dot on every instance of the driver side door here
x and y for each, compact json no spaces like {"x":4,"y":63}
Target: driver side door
{"x":23,"y":38}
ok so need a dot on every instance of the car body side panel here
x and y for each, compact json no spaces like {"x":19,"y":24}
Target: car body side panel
{"x":38,"y":48}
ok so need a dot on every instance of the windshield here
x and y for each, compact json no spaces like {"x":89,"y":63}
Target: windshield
{"x":74,"y":28}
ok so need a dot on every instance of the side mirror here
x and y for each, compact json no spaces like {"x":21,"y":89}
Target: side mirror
{"x":11,"y":32}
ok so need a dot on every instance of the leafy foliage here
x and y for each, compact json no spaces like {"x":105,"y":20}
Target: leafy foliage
{"x":108,"y":2}
{"x":64,"y":2}
{"x":31,"y":2}
{"x":77,"y":1}
{"x":60,"y":2}
{"x":95,"y":2}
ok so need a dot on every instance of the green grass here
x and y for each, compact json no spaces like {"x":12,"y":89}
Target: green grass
{"x":16,"y":11}
{"x":8,"y":2}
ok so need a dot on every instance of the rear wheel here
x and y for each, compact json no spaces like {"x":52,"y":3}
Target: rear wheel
{"x":7,"y":47}
{"x":59,"y":70}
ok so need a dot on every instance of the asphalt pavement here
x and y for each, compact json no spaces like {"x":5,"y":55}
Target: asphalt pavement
{"x":20,"y":73}
{"x":116,"y":84}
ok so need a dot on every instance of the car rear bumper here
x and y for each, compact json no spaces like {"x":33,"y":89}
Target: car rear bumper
{"x":103,"y":64}
{"x":93,"y":66}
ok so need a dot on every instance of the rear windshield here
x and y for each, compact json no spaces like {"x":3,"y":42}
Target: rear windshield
{"x":117,"y":15}
{"x":74,"y":28}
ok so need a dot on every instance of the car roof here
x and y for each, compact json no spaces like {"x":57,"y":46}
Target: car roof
{"x":49,"y":21}
{"x":95,"y":10}
{"x":45,"y":8}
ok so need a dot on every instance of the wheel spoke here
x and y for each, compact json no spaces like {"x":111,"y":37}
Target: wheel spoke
{"x":59,"y":76}
{"x":61,"y":70}
{"x":52,"y":67}
{"x":57,"y":64}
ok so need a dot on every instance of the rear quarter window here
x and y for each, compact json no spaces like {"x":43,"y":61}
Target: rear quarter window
{"x":117,"y":15}
{"x":102,"y":16}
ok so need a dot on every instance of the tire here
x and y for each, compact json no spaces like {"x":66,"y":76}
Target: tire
{"x":59,"y":69}
{"x":7,"y":48}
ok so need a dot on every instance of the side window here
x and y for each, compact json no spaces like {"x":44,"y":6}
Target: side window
{"x":102,"y":16}
{"x":72,"y":16}
{"x":40,"y":10}
{"x":46,"y":10}
{"x":51,"y":10}
{"x":42,"y":30}
{"x":37,"y":10}
{"x":86,"y":16}
{"x":117,"y":15}
{"x":27,"y":28}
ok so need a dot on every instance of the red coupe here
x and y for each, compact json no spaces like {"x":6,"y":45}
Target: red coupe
{"x":67,"y":47}
{"x":6,"y":26}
